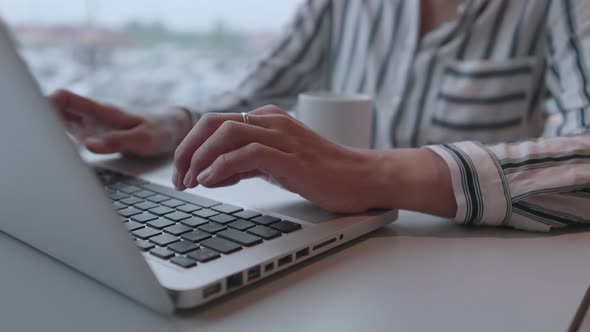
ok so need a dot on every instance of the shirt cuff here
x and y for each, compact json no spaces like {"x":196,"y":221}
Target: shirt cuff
{"x":481,"y":190}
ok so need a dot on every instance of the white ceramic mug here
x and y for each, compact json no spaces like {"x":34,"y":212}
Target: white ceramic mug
{"x":345,"y":119}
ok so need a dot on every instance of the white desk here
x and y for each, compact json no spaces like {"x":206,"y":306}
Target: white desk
{"x":419,"y":274}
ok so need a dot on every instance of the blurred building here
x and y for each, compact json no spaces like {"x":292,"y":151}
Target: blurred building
{"x":46,"y":36}
{"x":141,"y":66}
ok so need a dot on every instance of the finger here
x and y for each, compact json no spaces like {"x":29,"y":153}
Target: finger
{"x":267,"y":110}
{"x":204,"y":128}
{"x":237,"y":178}
{"x":252,"y":157}
{"x":111,"y":142}
{"x":118,"y":141}
{"x":60,"y":98}
{"x":71,"y":117}
{"x":231,"y":135}
{"x":176,"y":180}
{"x":68,"y":103}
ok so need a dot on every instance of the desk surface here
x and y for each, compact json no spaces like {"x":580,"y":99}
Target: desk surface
{"x":418,"y":274}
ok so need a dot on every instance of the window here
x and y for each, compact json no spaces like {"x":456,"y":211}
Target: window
{"x":144,"y":54}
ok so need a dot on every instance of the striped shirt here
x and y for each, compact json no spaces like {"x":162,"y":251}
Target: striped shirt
{"x":504,"y":71}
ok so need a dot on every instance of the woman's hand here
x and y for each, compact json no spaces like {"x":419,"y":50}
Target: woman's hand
{"x":222,"y":150}
{"x":108,"y":129}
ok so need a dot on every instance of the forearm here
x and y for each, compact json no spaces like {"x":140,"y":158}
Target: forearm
{"x":413,"y":179}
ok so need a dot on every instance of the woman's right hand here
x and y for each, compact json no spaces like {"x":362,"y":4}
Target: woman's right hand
{"x":108,"y":129}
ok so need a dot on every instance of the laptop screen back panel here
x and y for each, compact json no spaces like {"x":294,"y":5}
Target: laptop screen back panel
{"x":51,"y":200}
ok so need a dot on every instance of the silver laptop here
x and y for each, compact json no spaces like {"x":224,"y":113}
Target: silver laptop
{"x":163,"y":248}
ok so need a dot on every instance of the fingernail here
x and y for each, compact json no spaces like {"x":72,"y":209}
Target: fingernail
{"x":194,"y":182}
{"x":188,"y":179}
{"x":93,"y":141}
{"x":204,"y":175}
{"x":175,"y":178}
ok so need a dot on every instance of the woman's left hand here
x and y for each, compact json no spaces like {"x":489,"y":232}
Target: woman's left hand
{"x":221,"y":150}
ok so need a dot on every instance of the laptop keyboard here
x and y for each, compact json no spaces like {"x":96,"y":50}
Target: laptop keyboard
{"x":186,"y":229}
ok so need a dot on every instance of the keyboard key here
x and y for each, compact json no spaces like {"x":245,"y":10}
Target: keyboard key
{"x":136,"y":181}
{"x":264,"y":232}
{"x":158,"y":198}
{"x":146,"y":205}
{"x":265,"y":220}
{"x":177,"y":229}
{"x":286,"y":226}
{"x":183,"y":262}
{"x":241,"y":224}
{"x":162,"y":253}
{"x":211,"y":227}
{"x":144,"y":217}
{"x":164,"y":239}
{"x":227,"y":208}
{"x":221,"y":245}
{"x":144,"y":194}
{"x":104,"y":179}
{"x":195,"y":236}
{"x":172,"y":203}
{"x":194,"y":221}
{"x":247,"y":214}
{"x":205,"y":213}
{"x":177,"y":216}
{"x":222,"y":219}
{"x":160,"y":223}
{"x":128,"y":212}
{"x":145,"y":233}
{"x":203,"y":255}
{"x":242,"y":238}
{"x":131,"y":200}
{"x":161,"y":210}
{"x":119,"y":206}
{"x":116,"y":186}
{"x":132,"y":225}
{"x":183,"y":247}
{"x":143,"y":245}
{"x":118,"y":195}
{"x":203,"y":202}
{"x":188,"y":208}
{"x":129,"y":189}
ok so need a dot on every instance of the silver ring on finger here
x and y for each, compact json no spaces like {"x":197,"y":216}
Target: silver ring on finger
{"x":245,"y":118}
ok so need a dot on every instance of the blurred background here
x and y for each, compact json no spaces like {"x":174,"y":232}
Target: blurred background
{"x":144,"y":54}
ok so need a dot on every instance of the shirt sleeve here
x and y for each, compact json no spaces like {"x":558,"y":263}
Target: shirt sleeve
{"x":295,"y":64}
{"x":540,"y":184}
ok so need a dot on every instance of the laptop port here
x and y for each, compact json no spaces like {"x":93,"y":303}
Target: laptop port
{"x":235,"y":280}
{"x":254,"y":273}
{"x":323,"y":244}
{"x":302,"y":253}
{"x":284,"y":260}
{"x":211,"y":290}
{"x":269,"y":267}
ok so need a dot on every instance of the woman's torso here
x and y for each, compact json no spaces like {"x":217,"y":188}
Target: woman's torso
{"x":480,"y":77}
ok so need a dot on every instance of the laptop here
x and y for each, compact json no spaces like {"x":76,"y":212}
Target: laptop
{"x":165,"y":249}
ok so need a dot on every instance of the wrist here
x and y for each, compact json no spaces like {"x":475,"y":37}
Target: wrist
{"x":182,"y":121}
{"x":414,"y":179}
